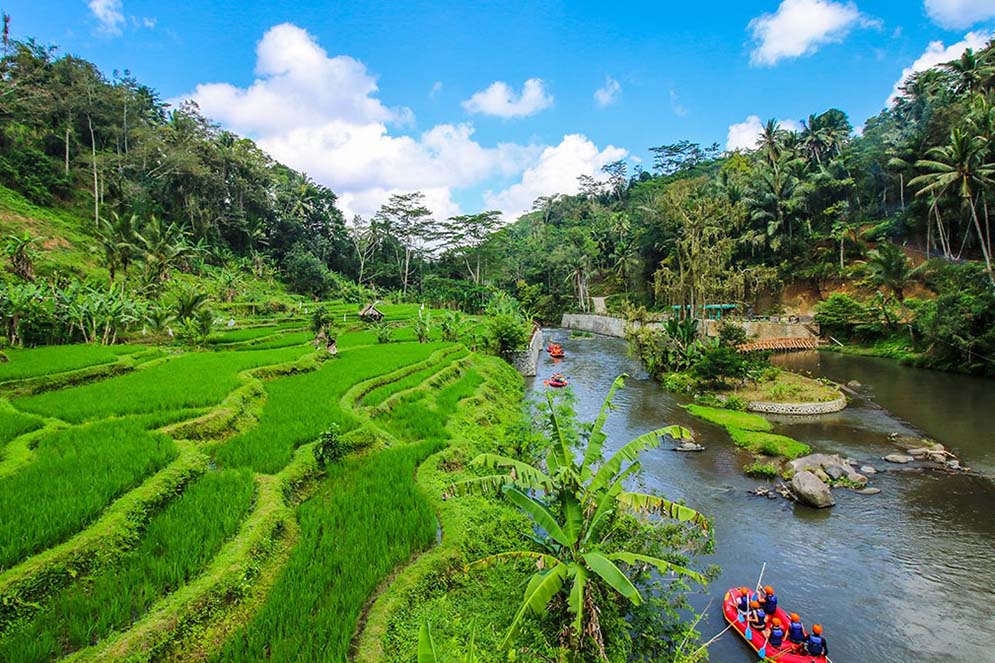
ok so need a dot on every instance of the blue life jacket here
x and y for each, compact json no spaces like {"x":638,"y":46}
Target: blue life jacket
{"x":777,"y":636}
{"x":816,"y":644}
{"x":796,"y":632}
{"x":758,"y":618}
{"x":770,"y":605}
{"x":744,"y":603}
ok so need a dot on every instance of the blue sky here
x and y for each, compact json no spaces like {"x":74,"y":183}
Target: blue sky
{"x":491,"y":104}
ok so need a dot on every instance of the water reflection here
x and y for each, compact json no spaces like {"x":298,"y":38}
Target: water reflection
{"x":901,"y":576}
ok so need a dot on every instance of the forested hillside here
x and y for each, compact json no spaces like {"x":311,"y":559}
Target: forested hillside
{"x":891,"y":225}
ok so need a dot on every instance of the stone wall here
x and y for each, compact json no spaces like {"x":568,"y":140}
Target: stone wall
{"x":757,"y":329}
{"x":803,"y":409}
{"x":595,"y":324}
{"x":526,"y":361}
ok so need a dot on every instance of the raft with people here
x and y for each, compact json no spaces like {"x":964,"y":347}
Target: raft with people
{"x":556,"y":380}
{"x":782,"y":637}
{"x":555,"y":351}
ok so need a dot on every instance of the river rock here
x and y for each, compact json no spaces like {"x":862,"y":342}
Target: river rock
{"x":815,"y":462}
{"x":920,"y":452}
{"x":856,"y":477}
{"x":938,"y":458}
{"x":869,"y":491}
{"x":867,"y":469}
{"x":853,"y":384}
{"x":689,"y":446}
{"x":835,"y":472}
{"x":954,"y":464}
{"x":901,"y":459}
{"x":810,"y":490}
{"x":821,"y":475}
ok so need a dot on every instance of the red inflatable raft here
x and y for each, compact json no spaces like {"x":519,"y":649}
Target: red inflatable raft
{"x":787,"y":653}
{"x":556,"y":380}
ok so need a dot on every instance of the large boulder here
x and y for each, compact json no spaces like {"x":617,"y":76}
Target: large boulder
{"x":835,"y":472}
{"x":816,"y":462}
{"x":811,"y":491}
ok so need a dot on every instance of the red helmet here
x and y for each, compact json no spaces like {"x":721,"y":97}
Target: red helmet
{"x":768,"y":590}
{"x":795,"y":617}
{"x":817,"y":629}
{"x":777,"y":622}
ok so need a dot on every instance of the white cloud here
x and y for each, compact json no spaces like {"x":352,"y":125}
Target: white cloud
{"x":607,"y":94}
{"x":321,"y":115}
{"x":556,"y":171}
{"x":436,"y":89}
{"x":800,"y":27}
{"x":960,"y":14}
{"x":744,"y":135}
{"x":936,"y":53}
{"x":501,"y":100}
{"x":109,"y":14}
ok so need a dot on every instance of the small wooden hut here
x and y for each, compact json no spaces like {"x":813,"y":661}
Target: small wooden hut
{"x":371,"y":313}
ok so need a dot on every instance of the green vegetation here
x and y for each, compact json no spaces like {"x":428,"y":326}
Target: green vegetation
{"x":58,"y":359}
{"x":763,"y":470}
{"x":367,"y":518}
{"x":188,"y":381}
{"x":177,"y":544}
{"x":74,"y":475}
{"x":13,"y":424}
{"x":780,"y":386}
{"x":730,"y":418}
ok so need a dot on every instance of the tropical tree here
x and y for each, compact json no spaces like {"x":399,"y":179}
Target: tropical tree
{"x":21,"y":254}
{"x":574,"y":504}
{"x":888,"y":267}
{"x":163,"y":246}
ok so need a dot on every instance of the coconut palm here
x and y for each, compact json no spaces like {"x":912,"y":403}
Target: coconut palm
{"x":164,"y":246}
{"x":573,"y":505}
{"x":959,"y":168}
{"x":888,"y":267}
{"x":117,"y":237}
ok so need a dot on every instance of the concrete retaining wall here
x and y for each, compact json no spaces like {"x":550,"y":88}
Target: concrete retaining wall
{"x":596,"y":324}
{"x":526,"y":362}
{"x":798,"y":408}
{"x":756,"y":329}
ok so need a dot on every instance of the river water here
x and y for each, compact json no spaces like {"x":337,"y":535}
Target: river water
{"x":906,"y":575}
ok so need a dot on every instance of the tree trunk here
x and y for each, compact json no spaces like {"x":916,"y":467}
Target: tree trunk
{"x":93,"y":157}
{"x":68,"y":127}
{"x":983,"y":243}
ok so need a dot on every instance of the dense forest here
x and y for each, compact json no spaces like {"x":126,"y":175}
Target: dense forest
{"x":889,"y":225}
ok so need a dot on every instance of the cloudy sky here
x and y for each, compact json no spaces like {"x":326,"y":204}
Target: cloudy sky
{"x":489,"y":107}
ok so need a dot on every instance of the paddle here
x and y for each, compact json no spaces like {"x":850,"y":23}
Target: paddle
{"x":749,"y":632}
{"x":763,"y":649}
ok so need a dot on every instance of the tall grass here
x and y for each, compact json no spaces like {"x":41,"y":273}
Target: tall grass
{"x":13,"y":424}
{"x":298,"y":408}
{"x":192,"y":380}
{"x":251,"y":333}
{"x":383,"y":392}
{"x":284,"y":340}
{"x":419,"y":416}
{"x":51,"y":359}
{"x":178,"y":543}
{"x":367,"y":518}
{"x":75,"y":474}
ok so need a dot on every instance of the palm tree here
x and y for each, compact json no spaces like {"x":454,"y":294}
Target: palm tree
{"x":959,"y":167}
{"x":117,"y":236}
{"x":164,"y":246}
{"x":20,"y":250}
{"x":573,"y":504}
{"x":771,"y":140}
{"x":889,"y":267}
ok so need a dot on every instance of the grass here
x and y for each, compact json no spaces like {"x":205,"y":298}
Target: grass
{"x":284,"y":340}
{"x":761,"y":470}
{"x":367,"y":518}
{"x":13,"y":424}
{"x":242,"y":335}
{"x":192,"y":380}
{"x":419,"y":417}
{"x":730,"y":418}
{"x":51,"y":359}
{"x":768,"y":444}
{"x":176,"y":546}
{"x":298,"y":408}
{"x":788,"y":387}
{"x":382,"y":393}
{"x":75,"y":474}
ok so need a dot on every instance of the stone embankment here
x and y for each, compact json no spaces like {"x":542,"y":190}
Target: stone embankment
{"x":526,"y":361}
{"x":798,"y":409}
{"x":607,"y":325}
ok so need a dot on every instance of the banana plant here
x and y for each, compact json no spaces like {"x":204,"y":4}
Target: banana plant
{"x":572,"y":501}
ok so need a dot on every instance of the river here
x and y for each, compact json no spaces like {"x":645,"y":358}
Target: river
{"x":906,"y":575}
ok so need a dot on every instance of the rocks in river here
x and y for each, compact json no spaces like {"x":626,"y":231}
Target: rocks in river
{"x":919,"y":452}
{"x":835,"y":472}
{"x":938,"y":458}
{"x":867,"y":469}
{"x":901,"y":459}
{"x":853,"y":384}
{"x":689,"y":446}
{"x":821,"y":475}
{"x":869,"y":491}
{"x":815,"y":461}
{"x":810,"y":490}
{"x":954,"y":464}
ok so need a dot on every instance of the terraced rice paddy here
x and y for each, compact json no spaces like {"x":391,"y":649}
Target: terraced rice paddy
{"x":135,"y":526}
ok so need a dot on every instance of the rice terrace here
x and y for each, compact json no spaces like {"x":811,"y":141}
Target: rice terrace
{"x":518,"y":332}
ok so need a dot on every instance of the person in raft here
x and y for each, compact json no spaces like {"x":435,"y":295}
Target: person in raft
{"x":776,"y":637}
{"x":743,"y":604}
{"x":796,"y":632}
{"x":816,"y":643}
{"x":769,"y":600}
{"x":758,"y":618}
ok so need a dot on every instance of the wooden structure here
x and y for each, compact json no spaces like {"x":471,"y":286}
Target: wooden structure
{"x":371,"y":313}
{"x":785,"y":344}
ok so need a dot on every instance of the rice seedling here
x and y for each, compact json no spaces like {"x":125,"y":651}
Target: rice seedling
{"x":51,"y":359}
{"x":76,"y":472}
{"x":299,"y":407}
{"x":189,"y":381}
{"x":13,"y":424}
{"x":177,"y":545}
{"x":284,"y":340}
{"x":380,"y":394}
{"x":420,"y":417}
{"x":244,"y":334}
{"x":367,"y":518}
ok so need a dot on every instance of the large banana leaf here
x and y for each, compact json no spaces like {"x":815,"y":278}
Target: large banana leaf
{"x":606,"y":500}
{"x":540,"y":514}
{"x":575,"y":602}
{"x":543,"y":560}
{"x":537,"y":597}
{"x":629,"y":452}
{"x":612,"y":575}
{"x":561,"y":446}
{"x":527,"y":476}
{"x":661,"y":565}
{"x":593,"y":452}
{"x":653,"y":504}
{"x":426,"y":648}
